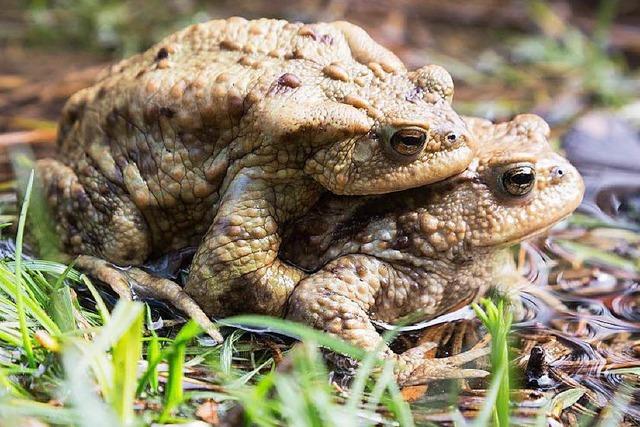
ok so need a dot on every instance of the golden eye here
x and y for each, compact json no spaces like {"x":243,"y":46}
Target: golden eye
{"x":518,"y":181}
{"x":408,"y":142}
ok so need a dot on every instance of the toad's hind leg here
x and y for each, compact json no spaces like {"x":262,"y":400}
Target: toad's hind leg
{"x":132,"y":280}
{"x":93,"y":215}
{"x":96,"y":219}
{"x":339,"y":299}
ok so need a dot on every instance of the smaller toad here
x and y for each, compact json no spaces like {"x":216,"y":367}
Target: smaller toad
{"x":430,"y":250}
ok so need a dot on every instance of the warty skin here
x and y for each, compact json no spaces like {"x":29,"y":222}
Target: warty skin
{"x":222,"y":133}
{"x":427,"y":251}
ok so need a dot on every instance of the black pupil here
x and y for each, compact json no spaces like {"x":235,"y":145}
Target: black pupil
{"x":518,"y":181}
{"x":409,"y":137}
{"x":408,"y":142}
{"x":412,"y":140}
{"x":522,"y":178}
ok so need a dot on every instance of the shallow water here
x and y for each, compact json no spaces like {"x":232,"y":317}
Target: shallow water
{"x":578,"y":323}
{"x":606,"y":151}
{"x":583,"y":343}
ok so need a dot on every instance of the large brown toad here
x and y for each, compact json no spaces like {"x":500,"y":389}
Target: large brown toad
{"x":223,"y":132}
{"x":427,"y":251}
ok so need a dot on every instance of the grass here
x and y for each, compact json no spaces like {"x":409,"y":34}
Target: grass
{"x":113,"y":27}
{"x":173,"y":395}
{"x":125,"y":356}
{"x":564,"y":49}
{"x":22,"y":317}
{"x":95,"y":366}
{"x":94,"y":360}
{"x":99,"y":364}
{"x":497,"y":319}
{"x":301,"y":395}
{"x":91,"y":365}
{"x":107,"y":358}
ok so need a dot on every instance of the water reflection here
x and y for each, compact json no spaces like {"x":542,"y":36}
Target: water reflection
{"x":584,"y":341}
{"x":627,"y":305}
{"x":612,"y":180}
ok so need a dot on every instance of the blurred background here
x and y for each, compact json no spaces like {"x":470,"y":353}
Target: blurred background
{"x":573,"y":62}
{"x":555,"y":57}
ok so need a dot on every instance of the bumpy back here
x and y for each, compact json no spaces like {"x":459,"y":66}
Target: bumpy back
{"x":244,"y":50}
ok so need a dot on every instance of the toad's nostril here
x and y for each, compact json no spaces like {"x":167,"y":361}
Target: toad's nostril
{"x":454,"y":139}
{"x":557,"y":173}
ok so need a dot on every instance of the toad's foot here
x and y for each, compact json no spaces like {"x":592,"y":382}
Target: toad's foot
{"x":142,"y":283}
{"x":413,"y":368}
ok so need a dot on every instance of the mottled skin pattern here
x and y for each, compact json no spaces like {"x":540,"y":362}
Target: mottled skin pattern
{"x":427,"y":251}
{"x":223,"y":132}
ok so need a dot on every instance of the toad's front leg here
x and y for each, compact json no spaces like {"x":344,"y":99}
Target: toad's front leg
{"x":340,"y":298}
{"x":236,"y":268}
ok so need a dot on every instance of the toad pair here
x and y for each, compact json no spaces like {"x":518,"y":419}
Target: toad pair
{"x":225,"y":133}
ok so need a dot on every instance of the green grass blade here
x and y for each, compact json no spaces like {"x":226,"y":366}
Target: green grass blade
{"x":386,"y":377}
{"x":564,"y":400}
{"x":10,"y":286}
{"x":174,"y":395}
{"x":226,"y":353}
{"x":622,"y":371}
{"x":10,"y":338}
{"x":100,"y":305}
{"x":60,"y":306}
{"x":185,"y":335}
{"x":294,"y":410}
{"x":153,"y":353}
{"x":595,"y":256}
{"x":51,"y":267}
{"x":362,"y":375}
{"x":303,"y":332}
{"x":22,"y":316}
{"x":15,"y":408}
{"x":8,"y":387}
{"x":126,"y":353}
{"x":259,"y":409}
{"x":82,"y":393}
{"x":498,"y":319}
{"x":488,"y":406}
{"x":399,"y":406}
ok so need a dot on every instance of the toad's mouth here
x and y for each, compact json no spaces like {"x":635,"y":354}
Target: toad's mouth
{"x":427,"y":170}
{"x":535,"y":233}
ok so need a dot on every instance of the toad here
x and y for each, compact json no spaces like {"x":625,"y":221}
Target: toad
{"x":427,"y":251}
{"x":224,"y":132}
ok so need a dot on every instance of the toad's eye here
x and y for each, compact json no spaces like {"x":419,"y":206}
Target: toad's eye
{"x":408,"y":142}
{"x":518,"y":181}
